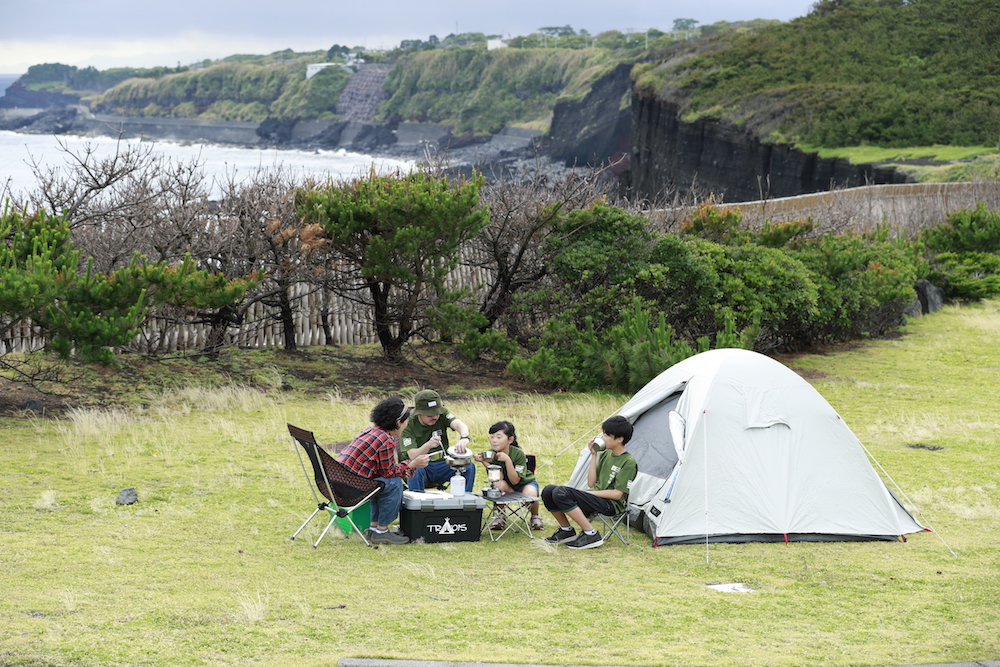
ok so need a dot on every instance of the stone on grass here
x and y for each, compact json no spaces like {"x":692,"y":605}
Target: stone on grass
{"x":34,"y":405}
{"x":127,"y":496}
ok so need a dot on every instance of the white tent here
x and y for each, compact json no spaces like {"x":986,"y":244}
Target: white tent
{"x":732,"y":446}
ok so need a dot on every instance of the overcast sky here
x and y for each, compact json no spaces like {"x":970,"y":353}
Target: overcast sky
{"x":127,"y":33}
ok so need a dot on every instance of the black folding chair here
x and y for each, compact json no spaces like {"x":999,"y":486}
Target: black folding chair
{"x":343,"y":489}
{"x":612,"y":525}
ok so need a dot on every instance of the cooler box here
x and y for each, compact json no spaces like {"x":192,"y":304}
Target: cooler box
{"x":361,"y":516}
{"x":436,"y":516}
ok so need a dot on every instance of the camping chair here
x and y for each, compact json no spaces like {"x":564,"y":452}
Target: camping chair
{"x":344,"y":490}
{"x":612,"y":525}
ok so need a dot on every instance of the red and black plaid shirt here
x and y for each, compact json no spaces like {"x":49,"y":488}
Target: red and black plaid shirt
{"x":373,"y":454}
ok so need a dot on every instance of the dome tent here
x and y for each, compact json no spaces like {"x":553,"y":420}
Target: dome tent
{"x":732,"y":446}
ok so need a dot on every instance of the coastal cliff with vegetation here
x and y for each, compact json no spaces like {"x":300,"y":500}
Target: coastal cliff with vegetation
{"x":740,"y":110}
{"x":762,"y":104}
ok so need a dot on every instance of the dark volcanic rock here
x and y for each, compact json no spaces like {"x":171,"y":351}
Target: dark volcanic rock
{"x":671,"y":154}
{"x":19,"y":97}
{"x":931,"y":297}
{"x":328,"y":139}
{"x":276,"y":130}
{"x":595,"y":130}
{"x":50,"y":121}
{"x":127,"y":496}
{"x":372,"y":137}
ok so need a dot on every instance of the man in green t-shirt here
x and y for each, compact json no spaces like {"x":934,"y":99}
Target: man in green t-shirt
{"x":609,"y":477}
{"x":428,"y":434}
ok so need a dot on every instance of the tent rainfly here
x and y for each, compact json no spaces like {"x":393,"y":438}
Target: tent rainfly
{"x":732,"y":446}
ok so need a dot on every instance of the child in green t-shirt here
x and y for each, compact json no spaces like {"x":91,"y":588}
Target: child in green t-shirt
{"x":513,"y":462}
{"x":609,"y":477}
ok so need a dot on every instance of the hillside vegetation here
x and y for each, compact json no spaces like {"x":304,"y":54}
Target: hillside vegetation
{"x":230,"y":91}
{"x":482,"y":91}
{"x":852,"y":72}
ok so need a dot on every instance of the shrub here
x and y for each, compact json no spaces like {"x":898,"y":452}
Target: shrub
{"x":962,"y":253}
{"x":602,"y":245}
{"x":965,"y":230}
{"x":762,"y":286}
{"x":863,"y":285}
{"x":967,"y":275}
{"x":623,"y":358}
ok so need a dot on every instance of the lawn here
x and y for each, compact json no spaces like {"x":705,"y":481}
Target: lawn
{"x":201,"y":571}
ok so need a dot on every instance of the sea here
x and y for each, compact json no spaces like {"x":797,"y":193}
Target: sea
{"x":18,"y":152}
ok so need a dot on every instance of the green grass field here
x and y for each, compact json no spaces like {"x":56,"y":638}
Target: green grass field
{"x":201,"y":571}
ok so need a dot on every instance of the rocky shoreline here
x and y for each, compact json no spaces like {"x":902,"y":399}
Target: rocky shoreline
{"x":511,"y":153}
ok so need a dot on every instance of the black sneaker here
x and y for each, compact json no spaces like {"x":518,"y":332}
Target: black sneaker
{"x":586,"y":541}
{"x":388,"y":537}
{"x":561,"y":535}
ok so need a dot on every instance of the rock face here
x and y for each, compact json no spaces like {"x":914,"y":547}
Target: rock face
{"x":708,"y":156}
{"x":17,"y":96}
{"x":50,"y":121}
{"x":597,"y":129}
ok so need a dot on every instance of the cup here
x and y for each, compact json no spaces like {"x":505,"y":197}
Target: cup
{"x":436,"y":455}
{"x":599,"y":443}
{"x":488,"y":455}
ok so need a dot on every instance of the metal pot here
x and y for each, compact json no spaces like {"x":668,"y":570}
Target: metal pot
{"x":457,"y":460}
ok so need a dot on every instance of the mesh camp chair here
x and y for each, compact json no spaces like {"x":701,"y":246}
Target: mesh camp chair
{"x":343,"y":490}
{"x":613,"y":525}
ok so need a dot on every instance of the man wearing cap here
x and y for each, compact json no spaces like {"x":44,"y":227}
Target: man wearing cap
{"x":428,"y":434}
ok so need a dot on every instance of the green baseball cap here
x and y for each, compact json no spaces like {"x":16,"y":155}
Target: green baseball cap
{"x":428,"y":402}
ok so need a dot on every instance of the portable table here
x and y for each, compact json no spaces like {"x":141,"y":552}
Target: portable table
{"x":517,"y":508}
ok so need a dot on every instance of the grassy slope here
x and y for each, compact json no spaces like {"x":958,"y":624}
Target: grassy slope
{"x":850,"y":73}
{"x":200,"y":571}
{"x":483,"y":91}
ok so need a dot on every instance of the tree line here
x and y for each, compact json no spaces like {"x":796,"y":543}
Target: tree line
{"x":579,"y":291}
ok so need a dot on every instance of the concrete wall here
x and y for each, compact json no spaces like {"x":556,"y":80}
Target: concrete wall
{"x":906,"y":207}
{"x":222,"y":132}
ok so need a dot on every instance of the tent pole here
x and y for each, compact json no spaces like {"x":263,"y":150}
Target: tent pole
{"x":704,"y":449}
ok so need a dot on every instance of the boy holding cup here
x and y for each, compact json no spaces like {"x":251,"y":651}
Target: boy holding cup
{"x":609,"y":477}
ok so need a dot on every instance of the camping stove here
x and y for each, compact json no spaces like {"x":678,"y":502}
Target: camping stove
{"x":494,"y":474}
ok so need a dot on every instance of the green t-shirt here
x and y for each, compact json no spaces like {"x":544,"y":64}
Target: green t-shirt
{"x":520,"y":461}
{"x":615,"y":472}
{"x":416,"y":434}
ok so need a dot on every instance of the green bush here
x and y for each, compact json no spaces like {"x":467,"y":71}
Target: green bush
{"x":602,"y":245}
{"x":863,"y":285}
{"x":762,"y":286}
{"x":680,"y":283}
{"x":965,"y":230}
{"x":962,"y":253}
{"x":623,"y":357}
{"x":967,"y":275}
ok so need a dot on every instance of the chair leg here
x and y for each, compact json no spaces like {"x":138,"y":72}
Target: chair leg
{"x":329,"y":525}
{"x":612,"y":525}
{"x":306,"y":522}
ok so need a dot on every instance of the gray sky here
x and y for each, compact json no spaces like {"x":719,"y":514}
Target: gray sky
{"x":127,"y":33}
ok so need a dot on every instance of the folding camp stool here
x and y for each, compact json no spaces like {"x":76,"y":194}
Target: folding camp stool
{"x":612,"y":525}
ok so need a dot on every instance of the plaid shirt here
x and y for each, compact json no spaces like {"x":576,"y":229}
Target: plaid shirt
{"x":373,"y":454}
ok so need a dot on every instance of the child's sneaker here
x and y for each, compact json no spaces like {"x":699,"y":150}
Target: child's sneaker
{"x":586,"y":541}
{"x":499,"y":522}
{"x":537,"y":523}
{"x":561,"y":535}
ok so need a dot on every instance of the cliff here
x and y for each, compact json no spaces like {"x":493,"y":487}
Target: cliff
{"x":596,"y":129}
{"x":670,"y":155}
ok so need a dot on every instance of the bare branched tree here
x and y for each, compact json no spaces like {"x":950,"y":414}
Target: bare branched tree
{"x":523,"y":210}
